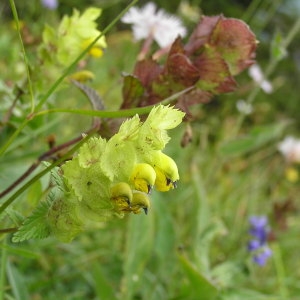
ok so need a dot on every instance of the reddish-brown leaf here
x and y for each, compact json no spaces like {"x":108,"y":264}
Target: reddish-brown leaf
{"x":235,"y":42}
{"x":196,"y":96}
{"x":132,"y":91}
{"x":214,"y":72}
{"x":147,"y":71}
{"x":180,"y":67}
{"x":201,"y":34}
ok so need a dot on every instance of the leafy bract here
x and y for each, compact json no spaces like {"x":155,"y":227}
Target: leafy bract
{"x":90,"y":153}
{"x":153,"y":134}
{"x":128,"y":130}
{"x":88,"y":184}
{"x":119,"y":156}
{"x":118,"y":160}
{"x":63,"y":217}
{"x":36,"y":225}
{"x":164,"y":117}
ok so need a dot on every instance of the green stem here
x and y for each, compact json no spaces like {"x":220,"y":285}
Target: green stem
{"x":279,"y":266}
{"x":42,"y":173}
{"x":2,"y":270}
{"x":13,"y":136}
{"x":250,"y":10}
{"x":61,"y":78}
{"x":269,"y":70}
{"x":202,"y":200}
{"x":112,"y":114}
{"x":269,"y":15}
{"x":83,"y":53}
{"x":16,"y":18}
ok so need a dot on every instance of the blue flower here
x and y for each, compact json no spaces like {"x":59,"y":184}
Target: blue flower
{"x":50,"y":4}
{"x":262,"y":257}
{"x":259,"y":230}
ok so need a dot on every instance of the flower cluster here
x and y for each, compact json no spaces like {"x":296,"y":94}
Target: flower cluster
{"x":159,"y":25}
{"x":73,"y":35}
{"x":258,"y":245}
{"x":290,"y":149}
{"x":115,"y":177}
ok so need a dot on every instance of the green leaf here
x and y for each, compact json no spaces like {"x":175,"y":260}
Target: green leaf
{"x":278,"y":52}
{"x":229,"y":273}
{"x":165,"y":236}
{"x":35,"y":226}
{"x":138,"y":250}
{"x":17,"y":283}
{"x":15,"y":216}
{"x":245,"y":294}
{"x":258,"y":137}
{"x":56,"y":177}
{"x":34,"y":193}
{"x":200,"y":286}
{"x":19,"y":251}
{"x":103,"y":288}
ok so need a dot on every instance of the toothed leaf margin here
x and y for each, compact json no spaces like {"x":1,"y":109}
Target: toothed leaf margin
{"x":36,"y":225}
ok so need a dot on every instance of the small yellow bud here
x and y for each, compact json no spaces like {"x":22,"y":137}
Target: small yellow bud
{"x":96,"y":52}
{"x":292,"y":174}
{"x":82,"y":76}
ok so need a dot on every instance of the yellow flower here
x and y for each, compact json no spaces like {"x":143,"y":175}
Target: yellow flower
{"x":292,"y":174}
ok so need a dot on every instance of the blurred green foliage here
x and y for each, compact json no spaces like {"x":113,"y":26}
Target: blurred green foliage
{"x":192,"y":244}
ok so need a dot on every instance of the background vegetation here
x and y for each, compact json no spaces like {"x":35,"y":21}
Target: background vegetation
{"x":194,"y":240}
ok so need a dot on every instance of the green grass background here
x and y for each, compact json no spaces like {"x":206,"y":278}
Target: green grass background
{"x":192,"y":244}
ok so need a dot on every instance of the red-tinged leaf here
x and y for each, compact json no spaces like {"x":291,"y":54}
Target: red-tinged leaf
{"x":147,"y":71}
{"x":201,"y":34}
{"x":196,"y":96}
{"x":132,"y":91}
{"x":235,"y":42}
{"x":180,"y":67}
{"x":165,"y":87}
{"x":214,"y":72}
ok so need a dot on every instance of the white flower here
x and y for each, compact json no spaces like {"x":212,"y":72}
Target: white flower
{"x":244,"y":107}
{"x":290,"y":149}
{"x":146,"y":22}
{"x":257,"y":75}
